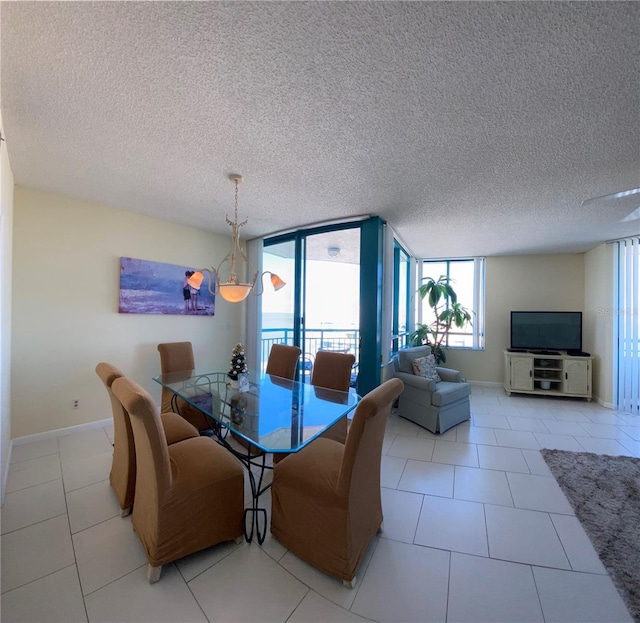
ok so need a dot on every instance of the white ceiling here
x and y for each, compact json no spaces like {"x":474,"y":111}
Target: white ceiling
{"x":473,"y":128}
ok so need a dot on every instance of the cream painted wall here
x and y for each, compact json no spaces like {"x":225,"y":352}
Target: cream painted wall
{"x":525,"y":282}
{"x":65,"y":307}
{"x":6,"y":245}
{"x":599,"y":318}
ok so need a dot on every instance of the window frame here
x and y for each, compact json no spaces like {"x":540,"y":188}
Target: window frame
{"x":401,"y":256}
{"x":477,"y":330}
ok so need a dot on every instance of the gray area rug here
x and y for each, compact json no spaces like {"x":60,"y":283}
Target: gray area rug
{"x":605,"y":494}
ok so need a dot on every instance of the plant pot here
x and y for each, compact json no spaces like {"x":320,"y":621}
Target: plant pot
{"x":243,"y":382}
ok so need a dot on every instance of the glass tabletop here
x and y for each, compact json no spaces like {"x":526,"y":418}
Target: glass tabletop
{"x":274,"y":414}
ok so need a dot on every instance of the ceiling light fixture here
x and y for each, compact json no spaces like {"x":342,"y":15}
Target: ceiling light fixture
{"x":333,"y":251}
{"x":233,"y":290}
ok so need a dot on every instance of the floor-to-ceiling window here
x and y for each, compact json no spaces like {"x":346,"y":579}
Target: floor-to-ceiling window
{"x":278,"y":307}
{"x":330,"y":272}
{"x":321,"y":309}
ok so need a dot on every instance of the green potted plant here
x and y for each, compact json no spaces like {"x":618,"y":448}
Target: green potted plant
{"x":443,"y":299}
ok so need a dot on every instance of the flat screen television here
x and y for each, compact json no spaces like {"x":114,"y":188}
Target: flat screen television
{"x":546,"y":330}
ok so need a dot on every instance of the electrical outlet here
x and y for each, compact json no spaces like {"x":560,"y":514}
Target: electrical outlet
{"x":76,"y":404}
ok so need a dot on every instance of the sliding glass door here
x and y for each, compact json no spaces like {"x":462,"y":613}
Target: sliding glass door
{"x":320,"y":307}
{"x":330,"y":318}
{"x":333,"y":298}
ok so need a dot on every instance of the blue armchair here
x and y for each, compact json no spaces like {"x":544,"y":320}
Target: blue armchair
{"x":434,"y":406}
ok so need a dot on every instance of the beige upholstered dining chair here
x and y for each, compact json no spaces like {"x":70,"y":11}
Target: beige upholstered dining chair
{"x":178,"y":357}
{"x":189,"y":495}
{"x":333,"y":371}
{"x":325,"y":499}
{"x":123,"y":465}
{"x":283,"y":361}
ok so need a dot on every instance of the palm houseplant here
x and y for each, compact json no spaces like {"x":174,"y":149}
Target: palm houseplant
{"x":447,"y":311}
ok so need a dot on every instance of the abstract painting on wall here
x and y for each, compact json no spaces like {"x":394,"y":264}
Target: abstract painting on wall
{"x":158,"y":288}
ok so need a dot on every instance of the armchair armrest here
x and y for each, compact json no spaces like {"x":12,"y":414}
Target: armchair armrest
{"x":414,"y":380}
{"x":450,"y":375}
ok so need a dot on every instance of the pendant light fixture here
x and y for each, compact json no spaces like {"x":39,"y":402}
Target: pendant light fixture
{"x":230,"y":288}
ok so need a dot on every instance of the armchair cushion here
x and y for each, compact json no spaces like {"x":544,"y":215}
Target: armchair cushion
{"x":407,"y":355}
{"x":419,"y":382}
{"x":447,"y":393}
{"x":450,"y":375}
{"x":426,"y":366}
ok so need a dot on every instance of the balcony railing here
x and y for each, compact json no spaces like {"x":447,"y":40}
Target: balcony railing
{"x":337,"y":340}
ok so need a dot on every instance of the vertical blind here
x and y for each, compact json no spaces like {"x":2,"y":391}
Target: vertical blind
{"x":628,"y":328}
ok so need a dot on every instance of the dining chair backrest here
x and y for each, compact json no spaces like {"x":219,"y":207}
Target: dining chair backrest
{"x":283,"y":361}
{"x":123,"y":466}
{"x":332,"y":370}
{"x":360,"y":470}
{"x":174,"y":357}
{"x":153,"y":474}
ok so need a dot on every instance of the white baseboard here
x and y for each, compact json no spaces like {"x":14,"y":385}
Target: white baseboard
{"x":61,"y":432}
{"x":602,"y":403}
{"x":485,"y":383}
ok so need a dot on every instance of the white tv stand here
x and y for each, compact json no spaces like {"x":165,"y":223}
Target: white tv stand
{"x":551,"y":375}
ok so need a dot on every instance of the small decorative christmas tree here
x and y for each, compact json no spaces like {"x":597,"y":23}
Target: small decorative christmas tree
{"x":238,"y":363}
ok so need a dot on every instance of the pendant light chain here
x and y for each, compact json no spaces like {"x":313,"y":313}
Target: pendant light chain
{"x":235,"y":214}
{"x":235,"y":235}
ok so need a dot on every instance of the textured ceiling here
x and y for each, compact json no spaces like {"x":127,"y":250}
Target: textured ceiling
{"x":473,"y":128}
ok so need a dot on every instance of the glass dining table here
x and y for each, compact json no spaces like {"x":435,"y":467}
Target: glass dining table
{"x":273,"y":416}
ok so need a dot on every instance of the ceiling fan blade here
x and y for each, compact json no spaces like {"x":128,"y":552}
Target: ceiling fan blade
{"x":619,"y":195}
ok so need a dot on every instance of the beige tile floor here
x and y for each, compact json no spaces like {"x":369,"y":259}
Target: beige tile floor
{"x":476,"y":529}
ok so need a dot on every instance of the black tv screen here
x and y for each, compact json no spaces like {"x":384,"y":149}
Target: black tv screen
{"x":546,"y":330}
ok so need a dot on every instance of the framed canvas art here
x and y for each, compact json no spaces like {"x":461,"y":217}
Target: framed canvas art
{"x":157,"y":288}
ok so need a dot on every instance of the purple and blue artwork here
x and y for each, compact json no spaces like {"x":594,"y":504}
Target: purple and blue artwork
{"x":157,"y":288}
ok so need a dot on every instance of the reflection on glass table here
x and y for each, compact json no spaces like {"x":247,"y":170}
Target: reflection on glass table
{"x":275,"y":415}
